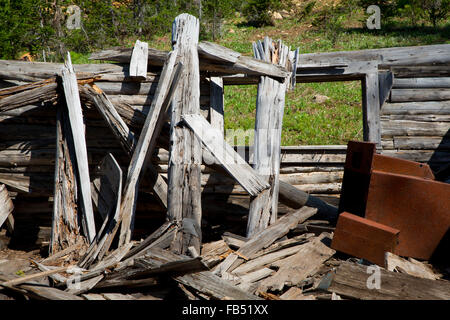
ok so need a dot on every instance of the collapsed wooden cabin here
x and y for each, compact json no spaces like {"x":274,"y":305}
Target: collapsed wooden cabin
{"x":97,"y":157}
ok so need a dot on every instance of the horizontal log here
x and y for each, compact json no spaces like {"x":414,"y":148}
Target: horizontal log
{"x":429,"y":156}
{"x":413,"y":83}
{"x":144,"y":100}
{"x":417,"y":55}
{"x":417,"y":108}
{"x":413,"y":128}
{"x":420,"y":71}
{"x":420,"y":117}
{"x":406,"y":95}
{"x":441,"y":143}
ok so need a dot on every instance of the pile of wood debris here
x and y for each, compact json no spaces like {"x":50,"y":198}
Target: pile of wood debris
{"x":289,"y":258}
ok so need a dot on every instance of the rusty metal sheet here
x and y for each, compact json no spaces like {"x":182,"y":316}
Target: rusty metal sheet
{"x":400,"y":166}
{"x":364,"y":238}
{"x":419,"y":208}
{"x":356,"y":179}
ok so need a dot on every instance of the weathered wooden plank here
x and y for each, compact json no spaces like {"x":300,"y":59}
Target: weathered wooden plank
{"x":268,"y":125}
{"x":70,"y":86}
{"x":397,"y":56}
{"x":417,"y":108}
{"x":407,"y":95}
{"x":351,"y":281}
{"x":139,"y":59}
{"x":420,"y":71}
{"x":411,"y":267}
{"x":266,"y":237}
{"x":420,"y":117}
{"x":424,"y":143}
{"x":413,"y":83}
{"x":6,"y":205}
{"x":147,"y":140}
{"x":294,"y":269}
{"x":65,"y":227}
{"x":371,"y":108}
{"x":217,"y":52}
{"x":27,"y":278}
{"x":385,"y":81}
{"x":413,"y":128}
{"x":225,"y":154}
{"x":216,"y":113}
{"x":429,"y":156}
{"x":184,"y":197}
{"x":110,"y":175}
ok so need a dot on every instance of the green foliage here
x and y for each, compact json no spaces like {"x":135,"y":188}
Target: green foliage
{"x":213,"y":13}
{"x":257,"y":12}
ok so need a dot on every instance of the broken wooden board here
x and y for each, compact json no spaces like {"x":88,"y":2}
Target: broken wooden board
{"x":410,"y":266}
{"x":65,"y":227}
{"x":295,"y":293}
{"x":139,"y":60}
{"x":294,"y":269}
{"x":352,"y":280}
{"x":225,"y":155}
{"x":265,"y":238}
{"x":214,"y":252}
{"x":75,"y":113}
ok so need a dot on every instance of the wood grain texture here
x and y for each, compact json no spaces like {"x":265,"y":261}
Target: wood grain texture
{"x":75,"y":113}
{"x":184,"y":196}
{"x":139,"y":60}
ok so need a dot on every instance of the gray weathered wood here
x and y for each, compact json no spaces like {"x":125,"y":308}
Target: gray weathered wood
{"x":413,"y":128}
{"x":225,"y":155}
{"x":431,"y":82}
{"x":70,"y":86}
{"x":184,"y":197}
{"x":294,"y":269}
{"x":216,"y":113}
{"x":139,"y":59}
{"x":420,"y":71}
{"x":266,"y":237}
{"x":216,"y":52}
{"x":417,"y":108}
{"x":371,"y":108}
{"x":6,"y":205}
{"x":351,"y":280}
{"x":401,"y":56}
{"x":411,"y":267}
{"x":65,"y":227}
{"x":407,"y":95}
{"x":268,"y":126}
{"x":147,"y":140}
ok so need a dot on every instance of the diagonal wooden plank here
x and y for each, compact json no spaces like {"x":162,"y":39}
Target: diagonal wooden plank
{"x":233,"y":163}
{"x":147,"y":140}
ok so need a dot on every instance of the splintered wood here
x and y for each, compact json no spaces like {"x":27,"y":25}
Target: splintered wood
{"x":211,"y":222}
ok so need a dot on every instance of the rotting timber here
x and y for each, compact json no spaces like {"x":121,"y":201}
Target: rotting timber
{"x":112,"y":162}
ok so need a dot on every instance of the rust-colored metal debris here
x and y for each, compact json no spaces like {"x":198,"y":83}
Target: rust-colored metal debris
{"x":364,"y":238}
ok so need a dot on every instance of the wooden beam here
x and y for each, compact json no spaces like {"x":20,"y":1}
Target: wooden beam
{"x":139,"y":59}
{"x":70,"y":86}
{"x":268,"y":126}
{"x":225,"y":154}
{"x":184,"y":197}
{"x":6,"y":205}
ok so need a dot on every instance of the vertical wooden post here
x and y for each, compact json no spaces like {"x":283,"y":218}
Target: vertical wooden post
{"x":371,"y":107}
{"x":6,"y":207}
{"x":216,"y":96}
{"x":184,"y":194}
{"x":65,"y":228}
{"x":269,"y":121}
{"x":75,"y":114}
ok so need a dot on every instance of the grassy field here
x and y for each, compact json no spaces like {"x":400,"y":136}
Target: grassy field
{"x":306,"y":121}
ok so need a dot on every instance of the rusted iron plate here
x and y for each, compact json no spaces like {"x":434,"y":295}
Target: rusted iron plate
{"x":356,"y":179}
{"x":419,"y":208}
{"x":364,"y":238}
{"x":401,"y":166}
